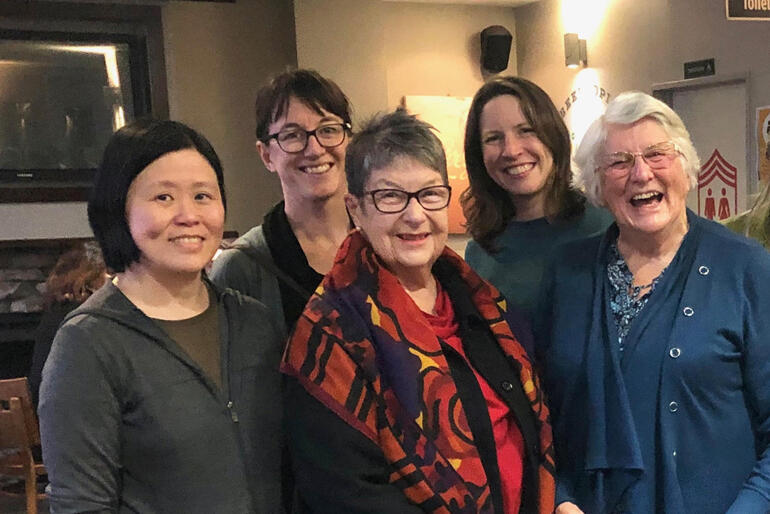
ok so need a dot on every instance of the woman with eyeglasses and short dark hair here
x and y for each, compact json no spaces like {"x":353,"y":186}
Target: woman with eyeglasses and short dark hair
{"x":162,"y":392}
{"x":655,"y":336}
{"x":303,"y":127}
{"x":520,"y":205}
{"x":410,"y":384}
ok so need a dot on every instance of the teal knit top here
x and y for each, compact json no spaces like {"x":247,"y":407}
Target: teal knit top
{"x":524,"y":247}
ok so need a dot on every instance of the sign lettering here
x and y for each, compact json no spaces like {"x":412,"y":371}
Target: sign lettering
{"x":748,"y":9}
{"x":701,"y":68}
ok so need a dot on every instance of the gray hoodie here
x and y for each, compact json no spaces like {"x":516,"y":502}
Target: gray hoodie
{"x":129,"y":422}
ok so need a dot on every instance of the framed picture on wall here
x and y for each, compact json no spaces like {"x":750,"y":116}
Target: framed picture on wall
{"x":448,"y":115}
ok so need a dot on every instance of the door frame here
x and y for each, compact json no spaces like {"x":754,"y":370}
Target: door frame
{"x":664,"y":91}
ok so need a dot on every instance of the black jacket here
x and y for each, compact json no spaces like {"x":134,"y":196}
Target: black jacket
{"x":337,"y":469}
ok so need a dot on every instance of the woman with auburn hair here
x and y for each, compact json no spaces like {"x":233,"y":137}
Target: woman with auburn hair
{"x":76,"y":275}
{"x":520,"y":205}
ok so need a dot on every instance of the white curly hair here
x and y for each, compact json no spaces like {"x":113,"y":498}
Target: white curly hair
{"x":625,"y":109}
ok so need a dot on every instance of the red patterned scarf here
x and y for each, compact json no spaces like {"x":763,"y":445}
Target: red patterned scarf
{"x":363,"y":349}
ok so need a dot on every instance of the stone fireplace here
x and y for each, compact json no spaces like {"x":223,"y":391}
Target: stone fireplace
{"x":24,"y":268}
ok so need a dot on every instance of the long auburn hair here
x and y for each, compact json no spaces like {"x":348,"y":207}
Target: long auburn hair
{"x":79,"y":272}
{"x":488,"y":207}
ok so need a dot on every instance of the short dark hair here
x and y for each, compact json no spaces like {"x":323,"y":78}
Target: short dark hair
{"x":487,"y":206}
{"x":309,"y":87}
{"x":386,"y":137}
{"x":129,"y":151}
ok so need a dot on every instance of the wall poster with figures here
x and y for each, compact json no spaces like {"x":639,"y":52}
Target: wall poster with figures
{"x":717,"y":191}
{"x":716,"y":117}
{"x":448,"y":115}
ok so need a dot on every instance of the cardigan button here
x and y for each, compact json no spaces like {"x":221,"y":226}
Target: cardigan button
{"x":704,"y":270}
{"x":507,"y":386}
{"x":673,"y":406}
{"x":688,"y":311}
{"x":675,"y":353}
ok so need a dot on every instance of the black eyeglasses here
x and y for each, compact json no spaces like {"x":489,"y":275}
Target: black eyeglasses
{"x":294,"y":140}
{"x":391,"y":201}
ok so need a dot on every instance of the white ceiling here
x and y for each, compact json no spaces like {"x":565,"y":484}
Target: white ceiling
{"x":509,"y":3}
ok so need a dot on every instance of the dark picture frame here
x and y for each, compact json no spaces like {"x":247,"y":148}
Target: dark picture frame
{"x":139,"y":27}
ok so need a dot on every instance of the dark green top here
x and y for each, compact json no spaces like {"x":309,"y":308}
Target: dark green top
{"x":517,"y":268}
{"x":199,"y":338}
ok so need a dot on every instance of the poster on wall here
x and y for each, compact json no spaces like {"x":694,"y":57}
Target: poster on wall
{"x":717,"y":188}
{"x":448,"y":115}
{"x":763,"y":143}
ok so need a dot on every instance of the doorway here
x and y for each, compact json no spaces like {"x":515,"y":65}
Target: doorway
{"x":715,"y":112}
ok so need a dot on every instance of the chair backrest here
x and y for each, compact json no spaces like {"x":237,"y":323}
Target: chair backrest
{"x":19,"y":388}
{"x":13,"y":434}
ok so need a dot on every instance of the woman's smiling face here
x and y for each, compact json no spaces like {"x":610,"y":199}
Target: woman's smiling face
{"x":644,"y":200}
{"x":175,"y":214}
{"x":409,"y":242}
{"x":514,"y":156}
{"x":315,"y":173}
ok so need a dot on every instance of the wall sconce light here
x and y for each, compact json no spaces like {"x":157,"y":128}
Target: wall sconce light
{"x":575,"y":53}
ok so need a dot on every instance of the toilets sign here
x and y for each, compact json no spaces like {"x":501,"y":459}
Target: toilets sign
{"x":748,"y":9}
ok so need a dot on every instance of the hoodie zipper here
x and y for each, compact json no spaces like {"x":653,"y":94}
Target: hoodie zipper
{"x":233,"y":413}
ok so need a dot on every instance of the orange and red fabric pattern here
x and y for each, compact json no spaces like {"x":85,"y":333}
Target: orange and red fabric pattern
{"x":365,"y":351}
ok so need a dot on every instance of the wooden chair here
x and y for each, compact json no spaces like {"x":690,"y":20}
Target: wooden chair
{"x":19,"y":434}
{"x":19,"y":388}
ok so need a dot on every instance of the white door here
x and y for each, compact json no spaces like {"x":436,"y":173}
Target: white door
{"x":716,"y":118}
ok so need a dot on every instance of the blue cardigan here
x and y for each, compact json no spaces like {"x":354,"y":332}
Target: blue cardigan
{"x":680,"y":423}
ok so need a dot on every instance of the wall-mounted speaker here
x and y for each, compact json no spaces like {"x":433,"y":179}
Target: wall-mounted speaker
{"x":495,"y":48}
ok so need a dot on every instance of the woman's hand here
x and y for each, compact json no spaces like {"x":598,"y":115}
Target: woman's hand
{"x":568,"y":508}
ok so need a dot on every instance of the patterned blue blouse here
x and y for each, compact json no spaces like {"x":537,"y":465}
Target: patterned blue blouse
{"x":626,"y":305}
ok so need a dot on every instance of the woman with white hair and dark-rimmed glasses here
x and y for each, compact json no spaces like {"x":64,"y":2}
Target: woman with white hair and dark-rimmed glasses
{"x":654,"y":337}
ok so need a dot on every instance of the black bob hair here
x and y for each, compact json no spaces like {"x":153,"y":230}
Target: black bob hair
{"x":129,"y":151}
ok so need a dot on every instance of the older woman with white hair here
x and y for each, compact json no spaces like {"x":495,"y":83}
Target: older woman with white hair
{"x":655,"y":337}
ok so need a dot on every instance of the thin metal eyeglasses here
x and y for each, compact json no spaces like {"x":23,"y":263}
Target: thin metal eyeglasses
{"x":657,"y":156}
{"x":294,"y":140}
{"x":392,"y":201}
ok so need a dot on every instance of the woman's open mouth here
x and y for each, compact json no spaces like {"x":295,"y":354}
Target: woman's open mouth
{"x":519,"y":169}
{"x":316,"y":170}
{"x":414,"y":237}
{"x":650,"y":198}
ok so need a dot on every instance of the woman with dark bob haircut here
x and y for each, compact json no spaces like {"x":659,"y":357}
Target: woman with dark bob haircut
{"x":517,"y":153}
{"x":162,"y":392}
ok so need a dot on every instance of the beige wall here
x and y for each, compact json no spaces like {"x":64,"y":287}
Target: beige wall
{"x":639,"y":44}
{"x":380,"y":51}
{"x":217,"y":55}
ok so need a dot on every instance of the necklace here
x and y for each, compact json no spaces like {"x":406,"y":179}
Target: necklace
{"x":635,"y":291}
